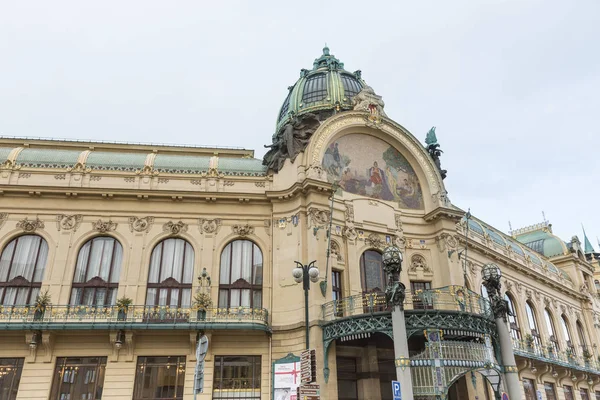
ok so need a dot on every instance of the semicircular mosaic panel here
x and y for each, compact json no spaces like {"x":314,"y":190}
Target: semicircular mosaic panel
{"x":368,"y":166}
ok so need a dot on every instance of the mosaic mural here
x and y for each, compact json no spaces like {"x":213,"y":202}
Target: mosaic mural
{"x":368,"y":166}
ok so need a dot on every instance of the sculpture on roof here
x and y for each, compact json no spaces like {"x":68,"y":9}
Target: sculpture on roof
{"x":433,"y":147}
{"x":291,"y":140}
{"x":367,"y":100}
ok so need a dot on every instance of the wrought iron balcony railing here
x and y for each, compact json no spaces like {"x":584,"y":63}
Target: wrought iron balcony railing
{"x":133,"y":315}
{"x":445,"y":299}
{"x":567,"y":358}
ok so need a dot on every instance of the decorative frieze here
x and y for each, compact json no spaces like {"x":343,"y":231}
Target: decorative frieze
{"x":104,"y":226}
{"x":143,"y":224}
{"x":210,"y":226}
{"x":68,"y":222}
{"x":30,"y":225}
{"x":242,"y":230}
{"x":175,"y":228}
{"x":376,"y":241}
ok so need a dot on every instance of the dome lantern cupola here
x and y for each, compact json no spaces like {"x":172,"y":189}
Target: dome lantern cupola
{"x":326,"y":87}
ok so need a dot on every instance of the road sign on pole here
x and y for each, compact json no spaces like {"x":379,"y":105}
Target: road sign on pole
{"x":396,"y":390}
{"x":201,"y":350}
{"x":309,"y":392}
{"x":308,"y":366}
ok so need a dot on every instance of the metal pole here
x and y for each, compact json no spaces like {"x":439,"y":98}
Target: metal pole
{"x":306,"y":283}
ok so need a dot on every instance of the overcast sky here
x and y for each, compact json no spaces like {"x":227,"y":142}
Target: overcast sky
{"x":512,"y":86}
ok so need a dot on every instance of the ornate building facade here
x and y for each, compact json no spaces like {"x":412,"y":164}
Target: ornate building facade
{"x":116,"y":257}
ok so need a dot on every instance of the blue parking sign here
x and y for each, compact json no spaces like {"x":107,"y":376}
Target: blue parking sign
{"x":396,"y":390}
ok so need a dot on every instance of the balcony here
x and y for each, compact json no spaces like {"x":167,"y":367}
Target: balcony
{"x":57,"y":317}
{"x":548,"y":354}
{"x":455,"y":309}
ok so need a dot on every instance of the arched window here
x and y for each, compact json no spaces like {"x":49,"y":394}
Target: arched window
{"x":96,"y":279}
{"x":551,"y":330}
{"x":22,"y":266}
{"x":532,"y":320}
{"x":567,"y":333}
{"x":371,"y":272}
{"x":487,"y":305}
{"x":241,"y":278}
{"x":513,"y":321}
{"x":581,"y":334}
{"x":170,"y":276}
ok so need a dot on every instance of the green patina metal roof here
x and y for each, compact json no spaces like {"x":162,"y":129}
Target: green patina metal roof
{"x":328,"y":86}
{"x":543,"y":242}
{"x":4,"y":152}
{"x":114,"y":161}
{"x":181,"y":163}
{"x":43,"y":158}
{"x":241,"y":166}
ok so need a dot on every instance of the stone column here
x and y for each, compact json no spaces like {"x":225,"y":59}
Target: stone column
{"x":491,"y":280}
{"x":394,"y":296}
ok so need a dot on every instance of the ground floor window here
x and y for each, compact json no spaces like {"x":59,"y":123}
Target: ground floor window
{"x":568,"y":390}
{"x":78,"y":378}
{"x":158,"y":378}
{"x":550,"y":392}
{"x":585,"y":395}
{"x":529,"y":389}
{"x":237,"y":377}
{"x":347,"y":378}
{"x":10,"y":375}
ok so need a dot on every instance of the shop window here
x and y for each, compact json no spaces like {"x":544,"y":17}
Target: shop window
{"x":237,"y":377}
{"x":22,"y":266}
{"x":529,"y":389}
{"x":159,"y":378}
{"x":568,"y":391}
{"x":78,"y":378}
{"x":10,"y":375}
{"x":550,"y":391}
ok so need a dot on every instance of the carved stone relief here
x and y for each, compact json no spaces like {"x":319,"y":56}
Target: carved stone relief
{"x":175,"y":228}
{"x":317,"y":217}
{"x":140,"y":224}
{"x":68,"y":222}
{"x":349,"y":213}
{"x":104,"y":226}
{"x":242,"y":230}
{"x":210,"y":226}
{"x":417,"y":261}
{"x":3,"y":218}
{"x":375,"y":241}
{"x":336,"y":251}
{"x":30,"y":225}
{"x":398,"y":220}
{"x":349,"y":233}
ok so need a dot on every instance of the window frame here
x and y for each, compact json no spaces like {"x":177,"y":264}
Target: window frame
{"x":140,"y":379}
{"x":363,"y":272}
{"x":96,"y":282}
{"x":63,"y":363}
{"x":513,"y":320}
{"x":20,"y":281}
{"x":551,"y":326}
{"x":12,"y":365}
{"x":256,"y":364}
{"x":315,"y":88}
{"x":170,"y":283}
{"x":238,"y":284}
{"x":532,"y":321}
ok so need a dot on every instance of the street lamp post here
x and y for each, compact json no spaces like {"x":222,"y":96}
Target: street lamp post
{"x":394,"y":296}
{"x":306,"y":274}
{"x":491,"y":280}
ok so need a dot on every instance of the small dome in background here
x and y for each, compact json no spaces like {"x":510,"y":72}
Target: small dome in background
{"x":328,"y":86}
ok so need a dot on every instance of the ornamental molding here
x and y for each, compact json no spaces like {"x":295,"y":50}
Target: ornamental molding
{"x":242,"y":230}
{"x":79,"y":168}
{"x":68,"y":222}
{"x":349,"y":213}
{"x":376,"y":241}
{"x":9,"y":165}
{"x":331,"y":127}
{"x":147,"y":170}
{"x":446,"y":241}
{"x":398,"y":221}
{"x":350,"y":233}
{"x":175,"y":228}
{"x":417,"y":261}
{"x":267,"y":225}
{"x":104,"y":226}
{"x":210,"y":226}
{"x":29,"y":225}
{"x":317,"y":217}
{"x":3,"y":218}
{"x":336,"y":251}
{"x":137,"y":224}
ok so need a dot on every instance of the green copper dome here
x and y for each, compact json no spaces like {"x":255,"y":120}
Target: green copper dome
{"x":328,"y":86}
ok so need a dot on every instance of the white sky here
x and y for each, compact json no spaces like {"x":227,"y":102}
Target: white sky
{"x":512,"y":86}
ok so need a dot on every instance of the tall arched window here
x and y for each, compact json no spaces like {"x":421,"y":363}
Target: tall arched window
{"x":487,"y":306}
{"x":371,"y":272}
{"x":551,"y":330}
{"x":170,"y":276}
{"x":532,"y":320}
{"x":97,"y":272}
{"x":241,"y":278}
{"x":567,"y":333}
{"x":22,"y":266}
{"x":513,"y":321}
{"x":581,"y":334}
